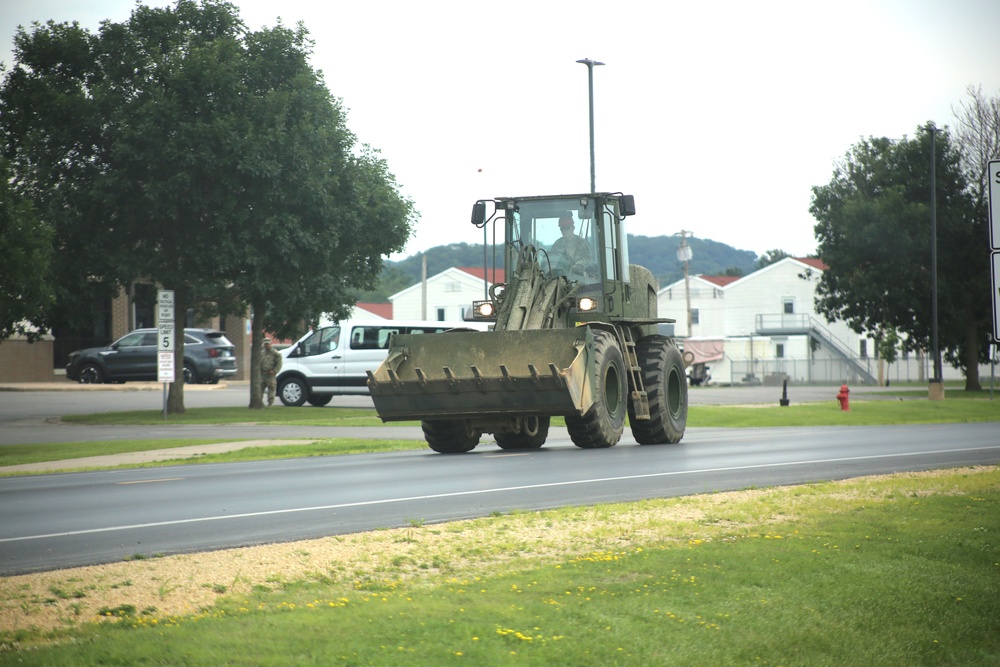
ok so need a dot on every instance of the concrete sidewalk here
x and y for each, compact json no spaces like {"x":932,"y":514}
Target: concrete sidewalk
{"x":148,"y":456}
{"x":67,"y":385}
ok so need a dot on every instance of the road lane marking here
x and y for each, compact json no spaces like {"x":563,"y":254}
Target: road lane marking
{"x":151,"y":481}
{"x":457,"y":494}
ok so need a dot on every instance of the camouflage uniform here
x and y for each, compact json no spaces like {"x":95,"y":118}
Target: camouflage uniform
{"x":270,"y":365}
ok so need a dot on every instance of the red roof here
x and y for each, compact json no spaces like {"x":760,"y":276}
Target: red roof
{"x":380,"y":309}
{"x":814,"y":262}
{"x":721,"y":281}
{"x":478,"y":272}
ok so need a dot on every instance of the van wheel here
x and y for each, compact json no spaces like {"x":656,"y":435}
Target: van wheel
{"x":534,"y":431}
{"x":667,"y":392}
{"x":319,"y":400}
{"x":604,"y":422}
{"x":293,"y":392}
{"x":450,"y":436}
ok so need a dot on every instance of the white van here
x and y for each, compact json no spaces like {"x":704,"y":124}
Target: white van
{"x":334,"y":360}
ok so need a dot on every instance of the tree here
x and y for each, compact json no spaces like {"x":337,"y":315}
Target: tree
{"x":181,"y":148}
{"x":873,"y":232}
{"x":977,"y":134}
{"x":770,"y":257}
{"x":26,"y":248}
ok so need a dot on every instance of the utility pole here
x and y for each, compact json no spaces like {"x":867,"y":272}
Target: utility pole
{"x":590,"y":80}
{"x":684,"y":255}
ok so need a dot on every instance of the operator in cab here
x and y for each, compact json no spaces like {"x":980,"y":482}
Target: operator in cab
{"x":571,"y":253}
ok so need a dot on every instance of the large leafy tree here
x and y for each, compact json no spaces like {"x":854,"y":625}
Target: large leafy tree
{"x":26,"y":248}
{"x":180,"y":147}
{"x":874,"y":233}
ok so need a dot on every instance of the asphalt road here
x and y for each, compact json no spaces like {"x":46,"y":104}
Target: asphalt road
{"x":29,"y":414}
{"x":62,"y":520}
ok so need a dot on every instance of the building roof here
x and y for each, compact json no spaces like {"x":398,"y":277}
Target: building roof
{"x":383,"y":310}
{"x":496,"y":275}
{"x":814,"y":262}
{"x":721,"y":281}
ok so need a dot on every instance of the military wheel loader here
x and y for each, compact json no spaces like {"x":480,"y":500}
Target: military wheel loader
{"x":575,"y":333}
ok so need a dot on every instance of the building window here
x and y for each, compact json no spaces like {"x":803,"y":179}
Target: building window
{"x":694,"y":316}
{"x":789,"y":306}
{"x":440,"y":314}
{"x":864,"y":349}
{"x":779,"y":350}
{"x":453,"y":286}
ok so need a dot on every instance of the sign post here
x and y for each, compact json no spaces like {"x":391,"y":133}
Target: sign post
{"x":165,"y":341}
{"x":993,"y":176}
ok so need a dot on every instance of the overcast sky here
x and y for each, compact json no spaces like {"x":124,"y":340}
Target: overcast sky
{"x":718,"y":116}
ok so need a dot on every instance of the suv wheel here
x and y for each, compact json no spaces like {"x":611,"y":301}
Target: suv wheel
{"x":190,"y":375}
{"x":91,"y":374}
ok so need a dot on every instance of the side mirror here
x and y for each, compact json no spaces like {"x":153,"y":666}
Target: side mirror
{"x":479,"y":213}
{"x":627,"y":204}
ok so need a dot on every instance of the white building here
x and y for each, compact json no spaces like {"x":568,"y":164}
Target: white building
{"x":764,"y":327}
{"x":446,"y":296}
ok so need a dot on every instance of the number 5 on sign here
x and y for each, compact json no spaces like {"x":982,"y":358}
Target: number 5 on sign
{"x":165,"y":331}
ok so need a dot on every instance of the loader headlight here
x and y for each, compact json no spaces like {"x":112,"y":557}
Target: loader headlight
{"x":586,"y":303}
{"x":483,"y":310}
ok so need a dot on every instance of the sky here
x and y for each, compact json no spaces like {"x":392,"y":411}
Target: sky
{"x":719,"y":117}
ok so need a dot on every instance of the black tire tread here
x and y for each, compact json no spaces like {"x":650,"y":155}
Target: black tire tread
{"x":598,"y":428}
{"x":450,"y":436}
{"x":658,"y":358}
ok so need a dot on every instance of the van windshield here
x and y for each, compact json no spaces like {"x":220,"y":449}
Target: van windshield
{"x":320,"y":341}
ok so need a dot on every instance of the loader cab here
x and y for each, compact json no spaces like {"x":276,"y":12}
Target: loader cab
{"x":579,"y":237}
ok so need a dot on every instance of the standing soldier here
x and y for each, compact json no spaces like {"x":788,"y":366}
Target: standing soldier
{"x":270,"y":364}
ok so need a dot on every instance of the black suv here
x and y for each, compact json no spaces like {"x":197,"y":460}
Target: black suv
{"x":208,"y":357}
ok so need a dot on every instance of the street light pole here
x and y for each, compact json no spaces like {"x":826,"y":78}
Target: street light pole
{"x":590,"y":80}
{"x":937,"y":382}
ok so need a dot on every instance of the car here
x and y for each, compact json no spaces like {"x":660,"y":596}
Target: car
{"x":208,"y":357}
{"x":335,"y":360}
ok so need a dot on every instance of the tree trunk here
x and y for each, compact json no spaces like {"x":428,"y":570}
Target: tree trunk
{"x":256,"y":343}
{"x":175,"y":397}
{"x":971,"y":361}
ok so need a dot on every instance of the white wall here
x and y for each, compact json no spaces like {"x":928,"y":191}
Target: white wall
{"x":452,"y":291}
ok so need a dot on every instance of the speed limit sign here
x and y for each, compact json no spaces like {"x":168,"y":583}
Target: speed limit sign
{"x":165,"y":321}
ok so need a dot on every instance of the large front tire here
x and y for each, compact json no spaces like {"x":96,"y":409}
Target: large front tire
{"x":534,"y":431}
{"x":666,"y":390}
{"x":451,"y":436}
{"x":604,"y":422}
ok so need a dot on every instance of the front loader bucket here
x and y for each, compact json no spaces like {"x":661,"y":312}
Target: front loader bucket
{"x":475,"y":375}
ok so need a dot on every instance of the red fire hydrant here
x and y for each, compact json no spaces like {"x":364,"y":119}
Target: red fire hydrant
{"x":844,"y":397}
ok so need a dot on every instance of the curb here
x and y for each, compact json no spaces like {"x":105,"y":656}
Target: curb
{"x":66,"y":385}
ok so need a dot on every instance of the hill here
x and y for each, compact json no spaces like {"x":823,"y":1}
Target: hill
{"x":657,"y":253}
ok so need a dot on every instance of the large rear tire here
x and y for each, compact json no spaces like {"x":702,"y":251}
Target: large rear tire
{"x":534,"y":431}
{"x":604,"y":422}
{"x":666,"y":390}
{"x":452,"y":436}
